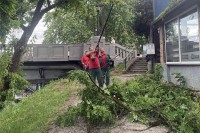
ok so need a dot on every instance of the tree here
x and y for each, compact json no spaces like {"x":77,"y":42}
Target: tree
{"x":28,"y":15}
{"x":143,"y":16}
{"x":7,"y":11}
{"x":71,"y":26}
{"x":75,"y":27}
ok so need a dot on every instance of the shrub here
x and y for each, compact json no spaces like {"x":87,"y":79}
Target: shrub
{"x":143,"y":99}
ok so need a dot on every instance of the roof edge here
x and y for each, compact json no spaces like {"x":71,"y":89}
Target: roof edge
{"x":172,"y":6}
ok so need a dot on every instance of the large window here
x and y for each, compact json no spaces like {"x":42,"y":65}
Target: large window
{"x":182,"y":38}
{"x":172,"y":41}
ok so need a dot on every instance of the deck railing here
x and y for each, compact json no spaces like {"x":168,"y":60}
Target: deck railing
{"x":40,"y":52}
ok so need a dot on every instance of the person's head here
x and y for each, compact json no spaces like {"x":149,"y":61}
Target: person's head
{"x":91,"y":48}
{"x":85,"y":52}
{"x":102,"y":50}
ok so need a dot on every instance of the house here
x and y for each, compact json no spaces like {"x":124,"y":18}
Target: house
{"x":176,"y":35}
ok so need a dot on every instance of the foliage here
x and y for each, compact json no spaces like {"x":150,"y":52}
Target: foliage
{"x":17,"y":82}
{"x":173,"y":105}
{"x":28,"y":15}
{"x":97,"y":106}
{"x":77,"y":25}
{"x":144,"y":99}
{"x":158,"y":72}
{"x":4,"y":64}
{"x":119,"y":69}
{"x":60,"y":28}
{"x":7,"y":12}
{"x":5,"y":60}
{"x":180,"y":79}
{"x":143,"y":16}
{"x":34,"y":113}
{"x":69,"y":118}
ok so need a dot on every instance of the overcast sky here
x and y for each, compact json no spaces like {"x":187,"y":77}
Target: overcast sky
{"x":38,"y":33}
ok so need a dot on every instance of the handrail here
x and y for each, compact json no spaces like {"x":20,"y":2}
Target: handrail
{"x":121,"y":51}
{"x":129,"y":60}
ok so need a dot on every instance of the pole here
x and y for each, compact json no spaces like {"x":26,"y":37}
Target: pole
{"x":97,"y":30}
{"x":104,"y":27}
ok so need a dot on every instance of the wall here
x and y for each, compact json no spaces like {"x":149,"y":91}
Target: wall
{"x":190,"y":73}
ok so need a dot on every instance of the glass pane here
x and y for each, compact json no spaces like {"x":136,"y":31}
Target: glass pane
{"x":189,"y":31}
{"x":172,"y":41}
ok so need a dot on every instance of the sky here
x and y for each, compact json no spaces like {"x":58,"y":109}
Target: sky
{"x":38,"y":33}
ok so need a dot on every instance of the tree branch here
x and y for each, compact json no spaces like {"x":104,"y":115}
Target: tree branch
{"x":23,"y":27}
{"x":38,"y":8}
{"x":50,"y":7}
{"x":48,"y":3}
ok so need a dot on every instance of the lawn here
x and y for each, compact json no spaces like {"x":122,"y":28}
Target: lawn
{"x":34,"y":113}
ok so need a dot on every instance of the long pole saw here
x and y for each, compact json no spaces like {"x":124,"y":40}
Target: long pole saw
{"x":104,"y":27}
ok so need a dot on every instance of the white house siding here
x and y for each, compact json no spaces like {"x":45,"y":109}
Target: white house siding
{"x":190,"y":73}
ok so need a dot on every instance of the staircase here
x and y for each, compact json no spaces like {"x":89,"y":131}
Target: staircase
{"x":138,"y":67}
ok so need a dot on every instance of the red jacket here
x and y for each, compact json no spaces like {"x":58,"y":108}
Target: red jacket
{"x":85,"y":61}
{"x":104,"y":62}
{"x":93,"y":60}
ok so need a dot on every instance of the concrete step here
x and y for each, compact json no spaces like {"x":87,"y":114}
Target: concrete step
{"x":140,"y":63}
{"x":137,"y":70}
{"x":138,"y":67}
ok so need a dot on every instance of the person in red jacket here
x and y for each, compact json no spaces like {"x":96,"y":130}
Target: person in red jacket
{"x":105,"y":66}
{"x":94,"y":65}
{"x":85,"y":61}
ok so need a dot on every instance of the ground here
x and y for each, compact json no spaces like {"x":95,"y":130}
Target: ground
{"x":121,"y":126}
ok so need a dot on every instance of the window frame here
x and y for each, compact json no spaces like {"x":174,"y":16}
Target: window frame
{"x":180,"y":62}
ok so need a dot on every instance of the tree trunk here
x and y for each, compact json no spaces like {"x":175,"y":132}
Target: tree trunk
{"x":21,"y":45}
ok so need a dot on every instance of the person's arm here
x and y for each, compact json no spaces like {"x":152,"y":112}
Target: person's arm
{"x":109,"y":57}
{"x":97,"y":51}
{"x":88,"y":53}
{"x":82,"y":60}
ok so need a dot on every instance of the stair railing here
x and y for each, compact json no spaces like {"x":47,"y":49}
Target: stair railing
{"x":121,"y":51}
{"x":130,"y":59}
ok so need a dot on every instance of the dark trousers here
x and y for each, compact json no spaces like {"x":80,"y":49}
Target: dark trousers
{"x":96,"y":74}
{"x":106,"y":75}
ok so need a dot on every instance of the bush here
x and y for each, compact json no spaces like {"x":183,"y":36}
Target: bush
{"x":68,"y":118}
{"x":145,"y":98}
{"x":17,"y":82}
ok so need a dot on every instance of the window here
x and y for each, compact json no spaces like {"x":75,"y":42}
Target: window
{"x":189,"y":37}
{"x":182,"y":38}
{"x":172,"y":43}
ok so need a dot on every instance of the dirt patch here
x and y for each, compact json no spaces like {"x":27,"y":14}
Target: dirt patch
{"x":121,"y":126}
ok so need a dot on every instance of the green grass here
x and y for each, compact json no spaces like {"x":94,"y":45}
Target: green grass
{"x":34,"y":113}
{"x":118,"y":70}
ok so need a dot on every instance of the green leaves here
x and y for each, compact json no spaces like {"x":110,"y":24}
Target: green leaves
{"x":7,"y":12}
{"x":78,"y":24}
{"x":145,"y":99}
